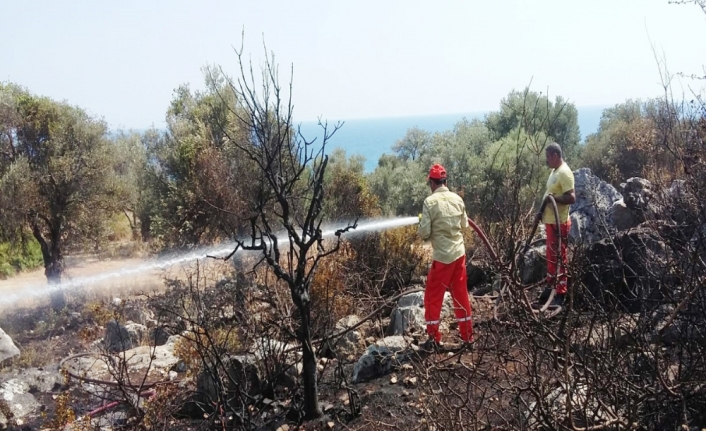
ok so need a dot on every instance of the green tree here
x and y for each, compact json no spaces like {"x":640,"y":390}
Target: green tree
{"x":414,"y":143}
{"x":347,"y":194}
{"x":199,"y":176}
{"x":535,"y":113}
{"x":625,"y":144}
{"x":57,"y":173}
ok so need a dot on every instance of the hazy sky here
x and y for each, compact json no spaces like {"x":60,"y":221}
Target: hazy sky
{"x":352,"y":59}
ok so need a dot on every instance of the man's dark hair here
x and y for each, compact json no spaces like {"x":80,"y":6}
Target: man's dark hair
{"x":554,"y":148}
{"x":439,"y":182}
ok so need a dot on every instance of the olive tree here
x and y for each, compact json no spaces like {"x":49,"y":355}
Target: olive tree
{"x":56,"y":174}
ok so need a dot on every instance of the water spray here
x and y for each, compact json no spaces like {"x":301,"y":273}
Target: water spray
{"x":222,"y":250}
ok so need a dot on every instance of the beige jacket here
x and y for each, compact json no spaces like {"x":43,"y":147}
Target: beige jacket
{"x":443,"y":218}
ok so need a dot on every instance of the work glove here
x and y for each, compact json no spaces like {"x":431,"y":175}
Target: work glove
{"x":420,"y":216}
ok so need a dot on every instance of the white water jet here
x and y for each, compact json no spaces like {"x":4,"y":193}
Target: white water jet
{"x":222,"y":250}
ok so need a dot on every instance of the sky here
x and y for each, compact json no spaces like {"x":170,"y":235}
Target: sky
{"x":122,"y":60}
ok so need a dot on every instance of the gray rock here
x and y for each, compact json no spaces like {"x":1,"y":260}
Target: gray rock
{"x":137,"y":332}
{"x":242,"y":375}
{"x":7,"y":347}
{"x":158,"y":336}
{"x":591,"y":211}
{"x":412,"y":299}
{"x":347,"y":322}
{"x":134,"y":311}
{"x":405,"y":320}
{"x":622,"y":216}
{"x":579,"y":225}
{"x":533,"y":265}
{"x":382,"y":357}
{"x":117,"y":338}
{"x":349,"y":343}
{"x":637,"y":193}
{"x":41,"y":380}
{"x":14,"y":393}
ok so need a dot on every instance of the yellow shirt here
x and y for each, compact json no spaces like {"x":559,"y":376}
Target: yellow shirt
{"x":443,"y":217}
{"x":560,"y":181}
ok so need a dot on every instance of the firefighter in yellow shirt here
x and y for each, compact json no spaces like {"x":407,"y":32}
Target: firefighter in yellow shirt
{"x":560,"y":185}
{"x":442,"y":220}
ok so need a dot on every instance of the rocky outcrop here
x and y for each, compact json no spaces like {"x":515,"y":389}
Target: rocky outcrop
{"x":628,"y":269}
{"x":591,"y":214}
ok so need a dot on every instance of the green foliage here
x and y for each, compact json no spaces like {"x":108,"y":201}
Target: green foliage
{"x":535,"y":113}
{"x":347,"y":192}
{"x":23,"y":256}
{"x":413,"y":145}
{"x":630,"y":143}
{"x":490,"y":163}
{"x":56,"y":173}
{"x":201,"y":180}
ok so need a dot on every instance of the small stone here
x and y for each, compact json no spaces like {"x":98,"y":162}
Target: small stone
{"x":393,"y":379}
{"x":331,"y":424}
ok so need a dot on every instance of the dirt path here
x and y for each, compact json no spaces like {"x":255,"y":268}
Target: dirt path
{"x":89,"y":277}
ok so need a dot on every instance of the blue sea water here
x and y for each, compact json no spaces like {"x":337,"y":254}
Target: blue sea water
{"x":373,"y":137}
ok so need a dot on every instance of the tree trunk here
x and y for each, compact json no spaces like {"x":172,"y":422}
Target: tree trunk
{"x":53,"y":264}
{"x":311,"y":395}
{"x":145,"y":225}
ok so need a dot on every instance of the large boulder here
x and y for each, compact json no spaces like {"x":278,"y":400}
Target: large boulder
{"x":592,"y":210}
{"x":622,"y":216}
{"x":406,"y":320}
{"x":7,"y":347}
{"x":629,"y":269}
{"x":408,"y":316}
{"x":117,"y":338}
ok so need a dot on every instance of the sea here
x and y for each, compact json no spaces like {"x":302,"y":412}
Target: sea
{"x":373,"y":137}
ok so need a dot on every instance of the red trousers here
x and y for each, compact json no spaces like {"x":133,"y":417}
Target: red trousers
{"x":441,"y":277}
{"x":552,"y":253}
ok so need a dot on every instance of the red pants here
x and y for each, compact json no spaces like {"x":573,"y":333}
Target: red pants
{"x":441,"y":277}
{"x":552,"y":255}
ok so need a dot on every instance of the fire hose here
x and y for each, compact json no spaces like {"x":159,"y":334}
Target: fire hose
{"x":499,"y":264}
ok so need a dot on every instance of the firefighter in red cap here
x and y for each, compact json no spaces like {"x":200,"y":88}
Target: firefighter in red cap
{"x":442,"y":220}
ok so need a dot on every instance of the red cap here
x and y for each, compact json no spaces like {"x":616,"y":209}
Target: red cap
{"x":437,"y":172}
